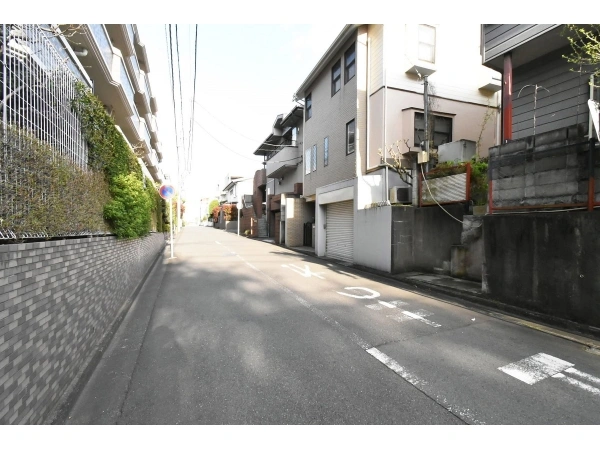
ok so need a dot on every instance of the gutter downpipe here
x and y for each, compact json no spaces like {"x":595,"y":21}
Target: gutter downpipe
{"x":385,"y":183}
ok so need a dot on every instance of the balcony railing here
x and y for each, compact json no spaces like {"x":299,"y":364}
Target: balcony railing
{"x":101,"y":37}
{"x":126,"y":83}
{"x":145,"y":133}
{"x":284,"y":161}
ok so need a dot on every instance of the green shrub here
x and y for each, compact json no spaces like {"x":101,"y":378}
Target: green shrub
{"x":129,"y":210}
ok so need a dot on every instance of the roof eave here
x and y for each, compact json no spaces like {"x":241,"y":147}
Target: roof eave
{"x":325,"y":59}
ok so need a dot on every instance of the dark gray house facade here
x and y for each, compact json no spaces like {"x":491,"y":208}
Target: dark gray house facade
{"x":541,"y":91}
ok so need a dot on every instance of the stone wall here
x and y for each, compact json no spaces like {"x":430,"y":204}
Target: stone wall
{"x":58,"y":302}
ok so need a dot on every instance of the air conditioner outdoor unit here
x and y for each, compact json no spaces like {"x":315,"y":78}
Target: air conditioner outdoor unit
{"x":400,"y":194}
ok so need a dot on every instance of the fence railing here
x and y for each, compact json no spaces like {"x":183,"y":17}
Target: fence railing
{"x":437,"y":187}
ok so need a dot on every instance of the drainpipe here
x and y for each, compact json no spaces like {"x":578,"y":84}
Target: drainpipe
{"x":385,"y":183}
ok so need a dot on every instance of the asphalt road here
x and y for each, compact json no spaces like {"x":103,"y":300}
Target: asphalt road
{"x":238,"y":331}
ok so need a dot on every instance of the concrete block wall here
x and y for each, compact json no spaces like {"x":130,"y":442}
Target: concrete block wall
{"x":58,"y":300}
{"x":548,"y":169}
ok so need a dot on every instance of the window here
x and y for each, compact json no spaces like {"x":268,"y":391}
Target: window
{"x":336,"y":77}
{"x":350,"y":63}
{"x":441,"y":129}
{"x":326,"y":151}
{"x":294,"y":135}
{"x":350,"y":132}
{"x":308,"y":104}
{"x":307,"y":161}
{"x":314,"y":158}
{"x":427,"y":43}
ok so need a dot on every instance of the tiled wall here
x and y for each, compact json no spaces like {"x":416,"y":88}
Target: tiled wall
{"x":58,"y":299}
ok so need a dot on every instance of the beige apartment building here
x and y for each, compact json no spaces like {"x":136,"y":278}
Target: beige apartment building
{"x":366,"y":93}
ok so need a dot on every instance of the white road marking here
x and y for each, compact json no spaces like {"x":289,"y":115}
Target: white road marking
{"x":536,"y":368}
{"x":464,"y":414}
{"x":372,"y":293}
{"x":579,"y":384}
{"x":585,"y":376}
{"x":418,"y":317}
{"x":304,"y":272}
{"x":392,"y":364}
{"x":381,"y":304}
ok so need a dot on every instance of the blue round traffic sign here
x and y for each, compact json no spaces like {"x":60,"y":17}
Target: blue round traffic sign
{"x":166,"y":191}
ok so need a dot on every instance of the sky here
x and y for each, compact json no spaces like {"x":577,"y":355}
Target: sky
{"x":246,"y":74}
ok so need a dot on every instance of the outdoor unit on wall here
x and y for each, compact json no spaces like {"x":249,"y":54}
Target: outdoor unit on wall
{"x":400,"y":194}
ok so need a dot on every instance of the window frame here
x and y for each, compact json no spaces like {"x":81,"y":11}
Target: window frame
{"x":335,"y":80}
{"x":432,"y":138}
{"x":419,"y":42}
{"x":352,"y":64}
{"x":326,"y":151}
{"x":308,"y":106}
{"x":307,"y":160}
{"x":353,"y":123}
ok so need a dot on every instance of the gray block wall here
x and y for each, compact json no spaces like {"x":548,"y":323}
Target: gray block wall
{"x":58,"y":300}
{"x":548,"y":169}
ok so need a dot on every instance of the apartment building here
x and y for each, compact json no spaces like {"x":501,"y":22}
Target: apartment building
{"x":366,"y":93}
{"x":287,"y":212}
{"x":116,"y":61}
{"x":40,"y":66}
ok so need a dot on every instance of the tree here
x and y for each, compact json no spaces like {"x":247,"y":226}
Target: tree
{"x":585,"y":48}
{"x":212,"y":205}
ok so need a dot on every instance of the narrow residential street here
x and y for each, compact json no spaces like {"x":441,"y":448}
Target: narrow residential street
{"x":238,"y":331}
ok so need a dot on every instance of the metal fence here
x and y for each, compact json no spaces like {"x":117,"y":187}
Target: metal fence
{"x":37,"y":88}
{"x":38,"y":74}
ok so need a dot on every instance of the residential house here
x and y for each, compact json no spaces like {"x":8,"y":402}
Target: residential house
{"x":548,"y":161}
{"x":287,"y":212}
{"x":236,"y":190}
{"x":366,"y":93}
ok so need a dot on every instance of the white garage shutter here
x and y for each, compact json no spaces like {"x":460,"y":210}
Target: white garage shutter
{"x":340,"y":231}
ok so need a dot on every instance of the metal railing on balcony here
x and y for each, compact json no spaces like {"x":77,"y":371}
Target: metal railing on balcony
{"x":37,"y":89}
{"x":145,"y":133}
{"x":274,"y":149}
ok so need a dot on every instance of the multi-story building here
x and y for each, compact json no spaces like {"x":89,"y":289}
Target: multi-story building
{"x":287,"y":212}
{"x":117,"y":63}
{"x":367,"y":92}
{"x":39,"y":71}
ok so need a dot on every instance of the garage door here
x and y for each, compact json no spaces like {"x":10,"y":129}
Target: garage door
{"x":340,"y":231}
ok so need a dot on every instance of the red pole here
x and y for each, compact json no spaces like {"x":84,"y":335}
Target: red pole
{"x":507,"y":81}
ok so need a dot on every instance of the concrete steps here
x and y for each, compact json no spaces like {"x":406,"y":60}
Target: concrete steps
{"x":262,"y":227}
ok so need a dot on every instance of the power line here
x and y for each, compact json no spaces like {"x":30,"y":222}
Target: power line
{"x":231,"y":150}
{"x":180,"y":88}
{"x":191,"y":138}
{"x":170,"y":62}
{"x":235,"y":131}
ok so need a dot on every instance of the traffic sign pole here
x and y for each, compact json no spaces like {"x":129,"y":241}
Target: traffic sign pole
{"x":167,"y":191}
{"x":171,"y":227}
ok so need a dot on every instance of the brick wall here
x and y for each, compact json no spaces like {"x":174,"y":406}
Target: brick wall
{"x":58,"y":300}
{"x":294,"y":226}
